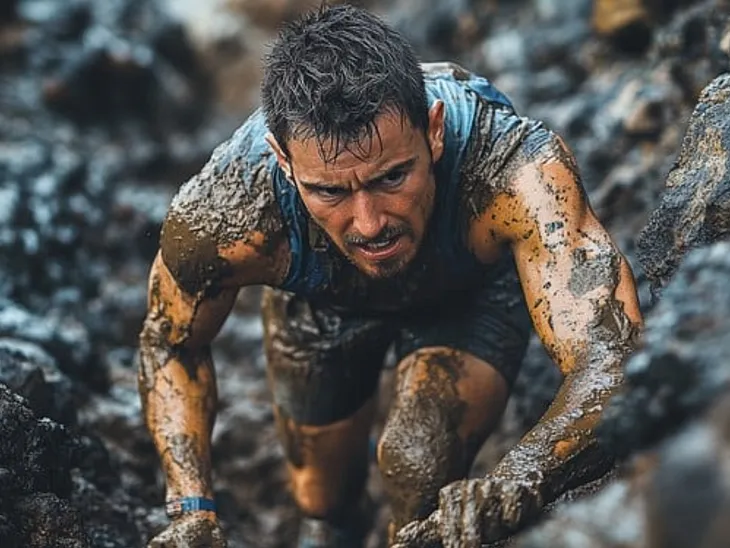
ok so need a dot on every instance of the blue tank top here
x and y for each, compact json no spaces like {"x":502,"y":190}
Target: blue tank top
{"x":309,"y":272}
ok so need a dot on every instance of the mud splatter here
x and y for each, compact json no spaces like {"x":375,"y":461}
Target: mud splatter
{"x":192,"y":258}
{"x":501,"y":143}
{"x":420,"y":451}
{"x":593,"y":267}
{"x":230,"y":202}
{"x":184,"y":452}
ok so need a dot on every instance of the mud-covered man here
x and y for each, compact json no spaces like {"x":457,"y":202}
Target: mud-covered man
{"x":386,"y":205}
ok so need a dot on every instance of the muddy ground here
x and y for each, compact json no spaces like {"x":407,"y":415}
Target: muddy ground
{"x":106,"y":106}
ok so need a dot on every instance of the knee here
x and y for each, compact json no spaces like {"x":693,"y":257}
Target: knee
{"x":415,"y":461}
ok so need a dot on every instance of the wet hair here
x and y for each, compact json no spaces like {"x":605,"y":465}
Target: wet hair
{"x":331,"y":73}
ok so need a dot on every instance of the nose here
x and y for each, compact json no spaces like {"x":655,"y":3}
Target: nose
{"x":368,"y":220}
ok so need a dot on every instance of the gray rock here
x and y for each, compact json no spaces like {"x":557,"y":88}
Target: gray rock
{"x":695,"y":207}
{"x":683,"y":362}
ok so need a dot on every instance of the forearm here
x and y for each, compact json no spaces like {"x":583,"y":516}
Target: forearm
{"x":178,"y":393}
{"x":561,"y":450}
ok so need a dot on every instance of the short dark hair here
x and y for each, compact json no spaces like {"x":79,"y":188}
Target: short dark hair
{"x":330,"y":73}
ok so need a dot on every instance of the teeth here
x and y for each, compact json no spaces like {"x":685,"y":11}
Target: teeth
{"x":380,"y":245}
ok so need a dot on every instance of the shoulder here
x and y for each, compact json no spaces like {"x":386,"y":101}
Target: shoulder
{"x":225,"y":213}
{"x":501,"y":144}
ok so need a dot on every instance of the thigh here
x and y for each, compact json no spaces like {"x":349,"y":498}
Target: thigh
{"x":322,"y":365}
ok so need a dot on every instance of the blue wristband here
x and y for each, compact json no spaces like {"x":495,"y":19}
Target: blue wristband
{"x":177,"y":507}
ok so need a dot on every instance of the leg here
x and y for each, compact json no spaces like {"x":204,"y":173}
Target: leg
{"x":447,"y":402}
{"x":453,"y":383}
{"x":323,"y":370}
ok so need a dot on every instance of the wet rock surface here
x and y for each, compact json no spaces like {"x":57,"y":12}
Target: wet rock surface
{"x":682,"y":364}
{"x":695,"y":208}
{"x":35,"y":478}
{"x":106,"y":106}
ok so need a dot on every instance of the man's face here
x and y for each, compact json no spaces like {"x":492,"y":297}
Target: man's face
{"x":374,"y":204}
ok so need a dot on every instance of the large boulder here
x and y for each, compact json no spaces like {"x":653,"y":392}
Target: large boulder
{"x":673,"y":497}
{"x":683,"y":362}
{"x":695,"y":207}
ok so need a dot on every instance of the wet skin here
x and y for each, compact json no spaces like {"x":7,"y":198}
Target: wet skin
{"x":579,"y":289}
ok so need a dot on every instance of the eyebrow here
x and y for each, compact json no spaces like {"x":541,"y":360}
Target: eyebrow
{"x":402,"y":166}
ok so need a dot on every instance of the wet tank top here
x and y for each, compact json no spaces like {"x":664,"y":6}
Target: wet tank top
{"x":310,"y":271}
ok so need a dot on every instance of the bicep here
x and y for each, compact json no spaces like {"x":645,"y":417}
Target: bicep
{"x":576,"y":289}
{"x":573,"y":275}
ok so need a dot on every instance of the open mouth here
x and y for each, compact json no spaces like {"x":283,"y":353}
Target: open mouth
{"x":381,"y":249}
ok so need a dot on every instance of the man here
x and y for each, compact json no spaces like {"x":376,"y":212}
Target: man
{"x":382,"y":207}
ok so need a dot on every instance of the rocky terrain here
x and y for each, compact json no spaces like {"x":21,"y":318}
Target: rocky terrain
{"x":106,"y":106}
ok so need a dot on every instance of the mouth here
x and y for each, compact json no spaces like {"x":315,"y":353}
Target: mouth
{"x":382,"y":249}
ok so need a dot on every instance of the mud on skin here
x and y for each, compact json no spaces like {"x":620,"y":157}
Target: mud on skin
{"x":420,"y":450}
{"x":229,"y":202}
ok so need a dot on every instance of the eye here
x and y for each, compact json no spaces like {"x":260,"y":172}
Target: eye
{"x":393,"y":179}
{"x":330,"y":193}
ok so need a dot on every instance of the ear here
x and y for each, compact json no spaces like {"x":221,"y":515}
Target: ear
{"x":436,"y":120}
{"x":281,"y":158}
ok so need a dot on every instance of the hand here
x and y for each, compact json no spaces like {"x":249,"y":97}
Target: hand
{"x":193,"y":530}
{"x":474,"y":511}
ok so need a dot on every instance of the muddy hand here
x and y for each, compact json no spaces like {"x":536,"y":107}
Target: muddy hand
{"x":424,"y":533}
{"x":197,"y":530}
{"x":472,"y":512}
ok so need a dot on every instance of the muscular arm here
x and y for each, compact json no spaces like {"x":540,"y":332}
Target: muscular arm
{"x":177,"y":379}
{"x":582,"y":299}
{"x":222,"y":232}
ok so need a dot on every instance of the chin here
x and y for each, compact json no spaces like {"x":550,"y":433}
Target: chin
{"x":386,"y":269}
{"x":384,"y":272}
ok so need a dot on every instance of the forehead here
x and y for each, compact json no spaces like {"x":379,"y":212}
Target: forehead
{"x":394,"y":141}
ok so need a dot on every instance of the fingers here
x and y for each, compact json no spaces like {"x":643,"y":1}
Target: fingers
{"x":472,"y":512}
{"x":456,"y":503}
{"x":421,"y":534}
{"x":194,"y":533}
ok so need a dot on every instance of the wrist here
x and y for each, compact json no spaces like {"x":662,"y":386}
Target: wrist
{"x":180,"y":506}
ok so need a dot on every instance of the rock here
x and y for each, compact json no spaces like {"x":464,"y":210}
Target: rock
{"x":65,"y":344}
{"x":436,"y":30}
{"x":110,"y":516}
{"x":688,"y":501}
{"x":27,"y":379}
{"x":35,"y":461}
{"x":270,"y":13}
{"x":559,"y":10}
{"x":695,"y":207}
{"x":682,"y":364}
{"x":50,"y":522}
{"x":100,"y":62}
{"x":694,"y":35}
{"x":612,"y":519}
